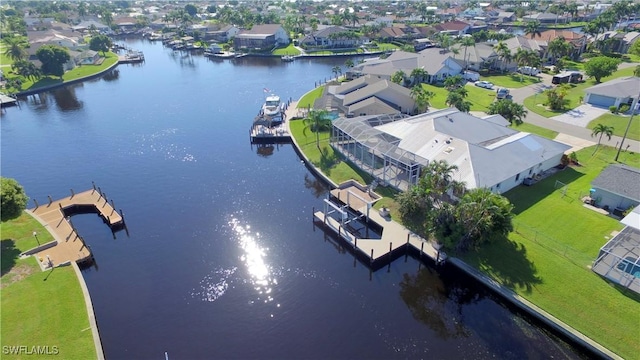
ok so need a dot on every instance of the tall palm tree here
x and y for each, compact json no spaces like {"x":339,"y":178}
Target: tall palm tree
{"x":317,"y":121}
{"x":466,"y":42}
{"x":418,"y":75}
{"x":559,"y":47}
{"x":533,"y":28}
{"x":601,"y":129}
{"x":336,"y":70}
{"x":504,"y":53}
{"x":14,"y":47}
{"x":422,"y":97}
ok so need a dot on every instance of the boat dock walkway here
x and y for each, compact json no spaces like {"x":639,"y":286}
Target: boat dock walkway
{"x":262,"y":132}
{"x":55,"y":216}
{"x":6,"y":100}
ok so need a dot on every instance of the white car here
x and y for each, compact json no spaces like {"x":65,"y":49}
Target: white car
{"x":528,"y":70}
{"x":484,"y":84}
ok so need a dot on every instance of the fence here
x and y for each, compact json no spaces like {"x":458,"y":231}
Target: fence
{"x":552,"y":244}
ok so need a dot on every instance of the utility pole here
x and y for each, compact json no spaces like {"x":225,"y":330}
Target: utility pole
{"x":633,"y":112}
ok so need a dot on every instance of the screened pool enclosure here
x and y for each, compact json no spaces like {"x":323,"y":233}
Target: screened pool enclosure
{"x":377,"y":152}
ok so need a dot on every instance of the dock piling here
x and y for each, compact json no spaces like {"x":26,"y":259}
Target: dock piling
{"x":355,"y":243}
{"x":372,"y":255}
{"x":50,"y":200}
{"x":36,"y":202}
{"x":94,"y":187}
{"x":407,"y":238}
{"x":72,"y":194}
{"x":421,"y":248}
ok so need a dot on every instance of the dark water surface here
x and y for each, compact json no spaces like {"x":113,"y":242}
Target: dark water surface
{"x":222,"y":260}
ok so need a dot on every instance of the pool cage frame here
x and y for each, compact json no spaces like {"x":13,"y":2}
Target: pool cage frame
{"x":618,"y":254}
{"x":377,"y":152}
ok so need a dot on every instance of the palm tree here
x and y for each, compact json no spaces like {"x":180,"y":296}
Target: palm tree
{"x":483,"y":215}
{"x":398,"y":77}
{"x":453,"y":82}
{"x":422,"y":97}
{"x":559,"y":47}
{"x":14,"y":47}
{"x":601,"y":129}
{"x":533,"y":29}
{"x":457,"y":99}
{"x":336,"y":70}
{"x":636,"y":71}
{"x":317,"y":121}
{"x":527,"y":58}
{"x":418,"y":75}
{"x":504,"y":53}
{"x":466,"y":42}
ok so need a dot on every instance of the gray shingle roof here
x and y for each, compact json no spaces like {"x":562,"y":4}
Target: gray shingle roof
{"x":621,"y":180}
{"x":619,"y":88}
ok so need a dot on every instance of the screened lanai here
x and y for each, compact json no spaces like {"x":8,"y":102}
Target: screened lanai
{"x":377,"y":152}
{"x":619,"y":259}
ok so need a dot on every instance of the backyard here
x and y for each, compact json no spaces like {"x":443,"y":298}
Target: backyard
{"x":619,"y":124}
{"x":547,"y":257}
{"x":479,"y":98}
{"x":40,"y":308}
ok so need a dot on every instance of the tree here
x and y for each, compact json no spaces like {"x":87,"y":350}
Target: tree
{"x":418,"y":75}
{"x":317,"y":121}
{"x":533,"y":28}
{"x":14,"y":200}
{"x":100,"y":43}
{"x":466,"y":42}
{"x":349,"y":63}
{"x":14,"y":47}
{"x":527,"y":58}
{"x":191,"y":10}
{"x":336,"y":70}
{"x":398,"y":77}
{"x":556,"y":97}
{"x":457,"y":99}
{"x":504,"y":53}
{"x":483,"y":216}
{"x":601,"y":129}
{"x":636,"y":71}
{"x":635,"y":48}
{"x":559,"y":47}
{"x":601,"y":66}
{"x":53,"y":58}
{"x":513,"y":112}
{"x":26,"y":69}
{"x":454,"y":82}
{"x":422,"y":98}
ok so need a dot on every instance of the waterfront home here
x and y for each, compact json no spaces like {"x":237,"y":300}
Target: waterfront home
{"x":577,"y":40}
{"x":618,"y":41}
{"x":222,"y":34}
{"x":86,"y":25}
{"x":438,"y":63}
{"x":261,"y":37}
{"x":476,"y":57}
{"x":614,"y":92}
{"x":521,"y":42}
{"x":455,"y":27}
{"x":487,"y":152}
{"x":332,"y":37}
{"x":546,"y":18}
{"x":368,"y":95}
{"x":67,"y":39}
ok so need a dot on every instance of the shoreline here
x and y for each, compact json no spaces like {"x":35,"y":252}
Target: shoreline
{"x":505,"y":293}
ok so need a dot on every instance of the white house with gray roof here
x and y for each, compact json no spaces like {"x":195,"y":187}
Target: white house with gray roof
{"x":439,"y":64}
{"x":617,"y":187}
{"x":368,"y":95}
{"x":614,"y":92}
{"x":486,"y":151}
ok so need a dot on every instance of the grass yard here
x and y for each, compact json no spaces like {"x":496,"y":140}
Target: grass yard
{"x":478,"y":97}
{"x":547,"y":258}
{"x":309,"y":98}
{"x":534,"y":129}
{"x":512,"y":81}
{"x":289,"y":50}
{"x":40,"y":308}
{"x":537,"y":103}
{"x":386,"y":47}
{"x":619,"y":124}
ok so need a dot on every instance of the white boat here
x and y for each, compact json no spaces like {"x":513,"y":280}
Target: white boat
{"x":287,"y":58}
{"x":272,"y":107}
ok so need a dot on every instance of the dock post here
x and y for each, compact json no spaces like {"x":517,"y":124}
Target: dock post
{"x":355,"y":244}
{"x":313,"y":213}
{"x":36,"y":202}
{"x":94,"y":187}
{"x":339,"y":230}
{"x":421,"y":248}
{"x":50,"y":199}
{"x":407,"y":238}
{"x":72,"y":194}
{"x":99,"y":191}
{"x":105,"y":200}
{"x":390,"y":246}
{"x":60,"y":205}
{"x":372,"y":256}
{"x":113,"y":206}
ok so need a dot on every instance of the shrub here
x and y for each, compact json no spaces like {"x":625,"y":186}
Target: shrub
{"x":624,"y":108}
{"x":613,"y":109}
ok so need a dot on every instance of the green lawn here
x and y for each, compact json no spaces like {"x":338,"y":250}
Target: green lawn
{"x":536,"y":103}
{"x":619,"y":124}
{"x":309,"y":98}
{"x":386,"y":47}
{"x":40,"y":308}
{"x":480,"y":98}
{"x":547,"y":258}
{"x":534,"y":129}
{"x":512,"y":81}
{"x":289,"y":50}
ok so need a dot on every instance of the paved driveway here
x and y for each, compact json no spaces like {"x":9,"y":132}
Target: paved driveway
{"x":581,"y":116}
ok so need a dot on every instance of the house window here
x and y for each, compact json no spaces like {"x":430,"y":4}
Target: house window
{"x":498,"y":186}
{"x":517,"y":177}
{"x":530,"y":171}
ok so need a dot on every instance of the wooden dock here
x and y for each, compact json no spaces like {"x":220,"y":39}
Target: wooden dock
{"x":395,"y":239}
{"x":131,"y":57}
{"x":6,"y":100}
{"x":68,"y":244}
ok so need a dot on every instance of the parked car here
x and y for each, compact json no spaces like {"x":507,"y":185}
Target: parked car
{"x":484,"y":84}
{"x":528,"y":70}
{"x":502,"y":93}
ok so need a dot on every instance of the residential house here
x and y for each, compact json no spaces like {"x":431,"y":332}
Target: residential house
{"x":126,"y":24}
{"x":438,"y":63}
{"x":331,"y":37}
{"x":617,"y":188}
{"x":87,"y":25}
{"x":67,"y":39}
{"x":224,"y":34}
{"x":546,"y":18}
{"x":618,"y":41}
{"x":479,"y":56}
{"x":577,"y":40}
{"x":85,"y":57}
{"x":521,"y":42}
{"x":487,"y":153}
{"x":368,"y":95}
{"x":261,"y":37}
{"x":623,"y":90}
{"x":390,"y":34}
{"x":455,"y":27}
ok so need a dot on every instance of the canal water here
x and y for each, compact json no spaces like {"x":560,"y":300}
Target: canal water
{"x":222,"y":259}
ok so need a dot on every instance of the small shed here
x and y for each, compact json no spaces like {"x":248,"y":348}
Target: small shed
{"x":617,"y":187}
